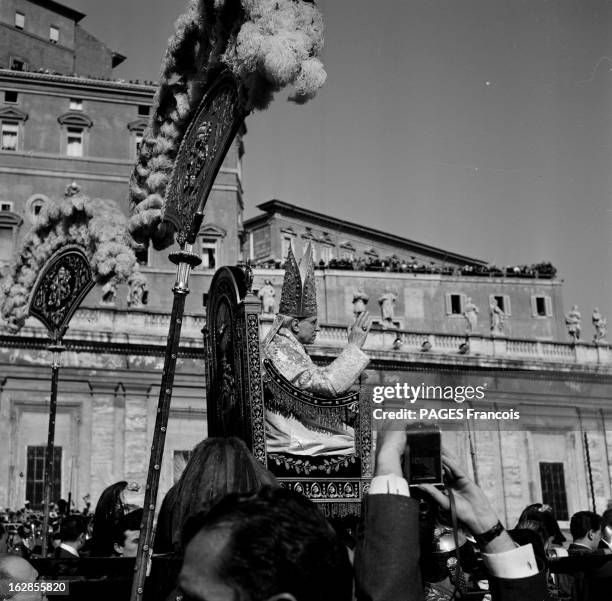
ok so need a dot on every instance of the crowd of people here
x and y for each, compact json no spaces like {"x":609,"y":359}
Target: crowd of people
{"x":71,"y":532}
{"x":394,"y":264}
{"x":242,"y":536}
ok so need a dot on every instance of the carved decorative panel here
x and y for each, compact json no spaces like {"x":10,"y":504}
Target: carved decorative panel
{"x":62,"y":285}
{"x":200,"y":156}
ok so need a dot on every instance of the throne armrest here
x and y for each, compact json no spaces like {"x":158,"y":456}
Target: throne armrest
{"x":278,"y":381}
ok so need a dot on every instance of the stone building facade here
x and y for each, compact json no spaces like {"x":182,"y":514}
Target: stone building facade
{"x":431,"y":287}
{"x":64,"y":118}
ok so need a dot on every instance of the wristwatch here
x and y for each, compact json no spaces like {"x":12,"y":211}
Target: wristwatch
{"x":486,"y":537}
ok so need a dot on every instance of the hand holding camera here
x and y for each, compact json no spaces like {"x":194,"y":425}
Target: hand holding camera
{"x":472,"y":507}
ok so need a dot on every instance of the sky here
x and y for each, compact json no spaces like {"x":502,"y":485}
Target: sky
{"x":479,"y":126}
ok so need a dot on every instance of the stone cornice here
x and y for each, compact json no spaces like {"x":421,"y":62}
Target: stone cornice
{"x":77,"y":80}
{"x":97,"y":346}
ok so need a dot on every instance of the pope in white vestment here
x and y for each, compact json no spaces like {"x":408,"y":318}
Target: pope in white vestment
{"x":294,"y":326}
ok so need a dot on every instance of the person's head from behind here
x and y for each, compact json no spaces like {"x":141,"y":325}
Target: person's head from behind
{"x":13,"y":569}
{"x":274,"y":545}
{"x":110,"y":509}
{"x":217,"y":467}
{"x":73,"y":531}
{"x":585,"y":529}
{"x":127,"y":534}
{"x":537,"y":512}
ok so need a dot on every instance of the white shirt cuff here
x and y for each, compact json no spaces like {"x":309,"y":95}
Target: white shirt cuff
{"x":516,"y":563}
{"x":389,"y":484}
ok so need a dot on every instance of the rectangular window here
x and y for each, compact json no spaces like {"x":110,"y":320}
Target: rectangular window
{"x":6,"y":243}
{"x":209,"y":253}
{"x":53,"y":34}
{"x":348,"y":255}
{"x":36,"y":475}
{"x":74,"y":142}
{"x":327,"y":253}
{"x":138,"y":141}
{"x":19,"y":20}
{"x":10,"y":134}
{"x":6,"y":206}
{"x":285,"y":247}
{"x":541,"y":306}
{"x":143,"y":110}
{"x":76,"y":104}
{"x":455,"y":304}
{"x":11,"y":97}
{"x":554,"y":493}
{"x":18,"y":65}
{"x":503,"y":302}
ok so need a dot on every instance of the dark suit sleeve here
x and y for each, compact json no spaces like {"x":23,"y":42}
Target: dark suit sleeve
{"x":387,"y":553}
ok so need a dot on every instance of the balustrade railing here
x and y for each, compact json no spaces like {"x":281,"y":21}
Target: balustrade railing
{"x":143,"y":326}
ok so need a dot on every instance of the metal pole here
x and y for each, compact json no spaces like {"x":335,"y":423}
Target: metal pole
{"x":501,"y":466}
{"x":56,"y":349}
{"x":472,"y":450}
{"x":185,"y":260}
{"x":590,"y":470}
{"x":608,"y":464}
{"x":587,"y":458}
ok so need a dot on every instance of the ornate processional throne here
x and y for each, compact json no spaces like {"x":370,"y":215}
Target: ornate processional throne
{"x":240,"y":386}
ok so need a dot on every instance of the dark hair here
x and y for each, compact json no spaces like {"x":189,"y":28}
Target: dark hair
{"x":130,"y":521}
{"x":584,"y":522}
{"x":109,"y":511}
{"x":537,"y":512}
{"x":217,"y":466}
{"x":72,"y":527}
{"x":606,"y":518}
{"x":62,"y":506}
{"x":278,"y":541}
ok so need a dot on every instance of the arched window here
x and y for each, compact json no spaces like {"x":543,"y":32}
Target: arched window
{"x":136,"y":128}
{"x":34,"y":205}
{"x":9,"y":228}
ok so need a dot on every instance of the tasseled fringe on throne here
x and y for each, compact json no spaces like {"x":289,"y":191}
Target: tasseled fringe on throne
{"x":316,"y":413}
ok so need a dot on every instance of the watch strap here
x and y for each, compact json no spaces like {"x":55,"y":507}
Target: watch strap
{"x":486,"y":537}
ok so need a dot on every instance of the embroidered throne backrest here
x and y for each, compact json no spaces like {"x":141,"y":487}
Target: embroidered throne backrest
{"x":241,"y":384}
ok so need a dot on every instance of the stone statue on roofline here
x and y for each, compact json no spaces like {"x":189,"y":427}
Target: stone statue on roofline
{"x":267,"y":295}
{"x":470,"y":312}
{"x":600,"y":323}
{"x":138,"y":291}
{"x":288,"y":429}
{"x":497,"y":317}
{"x":109,"y":293}
{"x":573,"y":320}
{"x":360,"y":300}
{"x":387,"y":308}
